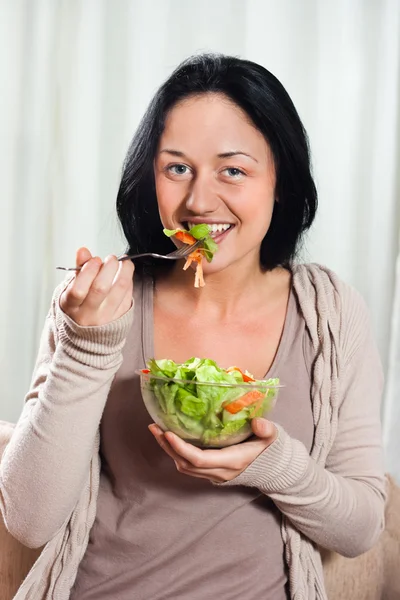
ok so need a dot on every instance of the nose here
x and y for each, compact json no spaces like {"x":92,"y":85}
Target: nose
{"x":202,"y":198}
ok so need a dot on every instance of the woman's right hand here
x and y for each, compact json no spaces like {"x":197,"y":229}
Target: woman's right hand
{"x":100,"y":292}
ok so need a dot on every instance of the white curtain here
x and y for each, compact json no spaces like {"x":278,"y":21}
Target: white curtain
{"x":391,"y":421}
{"x":77,"y":76}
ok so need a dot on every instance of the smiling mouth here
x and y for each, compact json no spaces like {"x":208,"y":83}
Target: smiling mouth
{"x":216,"y":229}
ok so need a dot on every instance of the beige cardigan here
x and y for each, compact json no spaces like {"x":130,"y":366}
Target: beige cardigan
{"x":334,"y":499}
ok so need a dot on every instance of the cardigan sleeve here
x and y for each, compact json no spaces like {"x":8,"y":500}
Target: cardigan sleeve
{"x":45,"y":464}
{"x":339,"y":506}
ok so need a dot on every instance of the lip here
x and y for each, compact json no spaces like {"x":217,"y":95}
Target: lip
{"x":198,"y":220}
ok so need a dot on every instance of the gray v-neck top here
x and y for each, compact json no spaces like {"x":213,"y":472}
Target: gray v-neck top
{"x":162,"y":535}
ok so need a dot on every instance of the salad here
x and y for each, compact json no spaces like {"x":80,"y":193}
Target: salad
{"x":200,"y":401}
{"x":207,"y":249}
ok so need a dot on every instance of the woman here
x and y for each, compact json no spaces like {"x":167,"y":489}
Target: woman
{"x":221,"y":143}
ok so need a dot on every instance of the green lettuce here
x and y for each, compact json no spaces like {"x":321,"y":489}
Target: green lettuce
{"x":202,"y":232}
{"x":196,"y":410}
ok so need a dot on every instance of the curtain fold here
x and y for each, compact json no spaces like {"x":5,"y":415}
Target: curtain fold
{"x":391,"y":412}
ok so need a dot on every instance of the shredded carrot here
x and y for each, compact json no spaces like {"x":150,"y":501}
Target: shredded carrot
{"x":185,"y":237}
{"x":199,"y":279}
{"x":246,"y":400}
{"x":245,"y":377}
{"x":196,"y":257}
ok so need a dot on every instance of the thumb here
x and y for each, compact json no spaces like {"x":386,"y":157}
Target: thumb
{"x":264,"y":429}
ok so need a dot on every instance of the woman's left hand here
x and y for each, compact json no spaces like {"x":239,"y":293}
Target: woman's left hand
{"x":216,"y":465}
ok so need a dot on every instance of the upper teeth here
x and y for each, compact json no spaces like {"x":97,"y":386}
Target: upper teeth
{"x":214,"y":227}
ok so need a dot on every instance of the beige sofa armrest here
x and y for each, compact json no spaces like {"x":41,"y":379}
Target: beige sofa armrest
{"x":392,"y":543}
{"x":374,"y":575}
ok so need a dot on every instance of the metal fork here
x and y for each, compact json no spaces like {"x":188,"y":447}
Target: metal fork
{"x":182,"y":252}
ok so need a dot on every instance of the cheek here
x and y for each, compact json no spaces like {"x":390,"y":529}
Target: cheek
{"x":256,"y":205}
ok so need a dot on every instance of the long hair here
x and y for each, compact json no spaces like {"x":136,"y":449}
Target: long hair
{"x":259,"y":93}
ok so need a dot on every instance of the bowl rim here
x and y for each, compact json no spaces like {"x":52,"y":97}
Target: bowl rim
{"x":245,"y":384}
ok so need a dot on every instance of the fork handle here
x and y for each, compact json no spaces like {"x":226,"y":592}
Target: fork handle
{"x":119,"y":258}
{"x":132,"y":256}
{"x":171,"y":256}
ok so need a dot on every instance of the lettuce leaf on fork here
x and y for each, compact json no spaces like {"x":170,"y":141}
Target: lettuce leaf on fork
{"x":207,"y":249}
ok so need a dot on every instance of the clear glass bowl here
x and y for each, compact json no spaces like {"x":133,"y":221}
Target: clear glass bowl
{"x":206,"y":414}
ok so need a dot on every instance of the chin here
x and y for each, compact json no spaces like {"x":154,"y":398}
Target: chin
{"x":216,"y":266}
{"x":247,"y":259}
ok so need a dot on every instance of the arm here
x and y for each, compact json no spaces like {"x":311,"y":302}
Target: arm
{"x":46,"y":462}
{"x":341,"y":506}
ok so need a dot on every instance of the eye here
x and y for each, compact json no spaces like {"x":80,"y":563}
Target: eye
{"x":178,"y":169}
{"x":234,"y":172}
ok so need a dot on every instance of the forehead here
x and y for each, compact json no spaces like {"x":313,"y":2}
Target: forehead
{"x":211,"y":120}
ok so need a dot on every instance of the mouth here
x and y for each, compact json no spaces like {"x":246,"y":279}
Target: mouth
{"x":217,"y":230}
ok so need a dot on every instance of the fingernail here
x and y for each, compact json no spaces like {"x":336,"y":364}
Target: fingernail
{"x":155,"y":430}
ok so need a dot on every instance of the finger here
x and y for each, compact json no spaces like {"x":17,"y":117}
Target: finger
{"x":78,"y":288}
{"x":83,"y":255}
{"x":121,"y":289}
{"x":235,"y":457}
{"x":264,"y":429}
{"x":126,"y":302}
{"x":201,"y":459}
{"x":155,"y":429}
{"x":185,"y":467}
{"x":102,"y":284}
{"x":160,"y":438}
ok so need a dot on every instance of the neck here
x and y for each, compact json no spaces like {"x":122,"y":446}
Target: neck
{"x":236,"y":289}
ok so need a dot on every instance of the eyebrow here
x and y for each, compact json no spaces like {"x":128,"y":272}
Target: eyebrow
{"x":221,"y":155}
{"x":235,"y":153}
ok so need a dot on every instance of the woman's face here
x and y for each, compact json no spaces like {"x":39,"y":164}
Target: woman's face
{"x":213,"y":166}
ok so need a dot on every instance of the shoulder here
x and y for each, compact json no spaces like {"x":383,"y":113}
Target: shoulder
{"x":327,"y":301}
{"x":313,"y":280}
